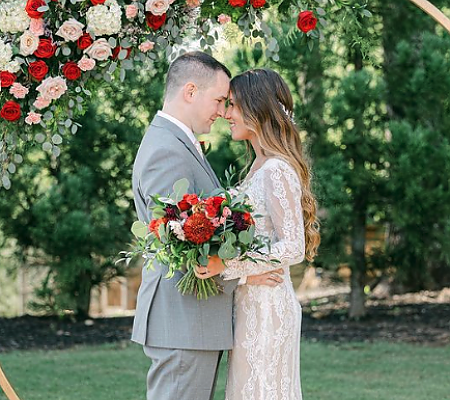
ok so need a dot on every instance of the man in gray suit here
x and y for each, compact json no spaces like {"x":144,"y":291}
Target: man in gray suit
{"x":184,"y":337}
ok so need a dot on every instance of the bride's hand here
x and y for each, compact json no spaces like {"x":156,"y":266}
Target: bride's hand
{"x":215,"y":267}
{"x":271,"y":278}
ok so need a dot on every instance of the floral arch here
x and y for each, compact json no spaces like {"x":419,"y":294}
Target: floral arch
{"x":53,"y":51}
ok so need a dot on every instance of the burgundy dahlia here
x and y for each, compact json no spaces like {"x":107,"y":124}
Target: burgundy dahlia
{"x":239,"y":221}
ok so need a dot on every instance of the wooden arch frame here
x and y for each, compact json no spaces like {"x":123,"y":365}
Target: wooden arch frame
{"x":425,"y":5}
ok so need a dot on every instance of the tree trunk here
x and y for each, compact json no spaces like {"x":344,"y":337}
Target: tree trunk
{"x":358,"y":263}
{"x":83,"y":296}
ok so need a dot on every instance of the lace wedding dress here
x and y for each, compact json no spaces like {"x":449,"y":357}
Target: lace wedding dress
{"x":265,"y":361}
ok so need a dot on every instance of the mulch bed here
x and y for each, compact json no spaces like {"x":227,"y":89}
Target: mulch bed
{"x":422,"y":323}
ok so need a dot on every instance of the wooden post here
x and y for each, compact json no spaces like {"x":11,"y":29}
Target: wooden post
{"x":434,"y":12}
{"x":6,"y":386}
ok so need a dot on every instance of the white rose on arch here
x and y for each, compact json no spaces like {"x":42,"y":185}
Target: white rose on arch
{"x":100,"y":50}
{"x":70,"y":30}
{"x":157,"y":7}
{"x":104,"y":19}
{"x":29,"y":43}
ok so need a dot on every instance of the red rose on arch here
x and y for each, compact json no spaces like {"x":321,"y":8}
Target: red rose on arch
{"x":116,"y":51}
{"x":71,"y":71}
{"x":7,"y":79}
{"x":84,"y":41}
{"x":11,"y":111}
{"x":38,"y":70}
{"x":306,"y":21}
{"x":237,"y":3}
{"x":96,"y":2}
{"x":46,"y":49}
{"x":258,"y":3}
{"x":155,"y":21}
{"x":32,"y":8}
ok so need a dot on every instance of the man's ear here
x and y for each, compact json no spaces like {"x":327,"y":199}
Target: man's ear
{"x":189,"y":91}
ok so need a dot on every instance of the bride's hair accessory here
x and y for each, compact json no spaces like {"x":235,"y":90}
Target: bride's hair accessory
{"x":288,"y":113}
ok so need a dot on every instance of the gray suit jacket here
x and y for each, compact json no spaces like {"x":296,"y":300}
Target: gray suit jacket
{"x":164,"y":317}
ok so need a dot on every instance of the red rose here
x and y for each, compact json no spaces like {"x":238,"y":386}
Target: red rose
{"x":84,"y":41}
{"x":306,"y":21}
{"x":96,"y":2}
{"x":213,"y":206}
{"x":38,"y":70}
{"x":155,"y":21}
{"x":192,"y":199}
{"x":116,"y":51}
{"x":10,"y":111}
{"x":32,"y":6}
{"x":46,"y":49}
{"x":258,"y":3}
{"x":237,"y":3}
{"x":71,"y":71}
{"x":6,"y":79}
{"x":183,"y":205}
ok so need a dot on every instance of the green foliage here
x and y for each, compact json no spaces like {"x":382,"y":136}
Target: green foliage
{"x":78,"y":213}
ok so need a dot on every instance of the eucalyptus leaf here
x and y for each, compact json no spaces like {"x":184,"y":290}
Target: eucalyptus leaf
{"x":57,"y":139}
{"x":180,"y":188}
{"x":139,"y":229}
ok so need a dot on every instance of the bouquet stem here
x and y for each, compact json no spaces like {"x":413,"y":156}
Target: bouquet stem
{"x":202,"y":288}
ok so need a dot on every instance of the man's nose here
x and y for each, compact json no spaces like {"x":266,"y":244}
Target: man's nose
{"x":221,"y":110}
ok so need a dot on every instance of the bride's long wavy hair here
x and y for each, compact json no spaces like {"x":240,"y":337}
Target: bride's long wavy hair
{"x":267,"y":108}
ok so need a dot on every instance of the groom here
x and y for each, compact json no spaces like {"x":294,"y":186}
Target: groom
{"x":184,"y":337}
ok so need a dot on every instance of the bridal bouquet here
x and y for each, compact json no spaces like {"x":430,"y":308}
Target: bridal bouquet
{"x":187,"y":228}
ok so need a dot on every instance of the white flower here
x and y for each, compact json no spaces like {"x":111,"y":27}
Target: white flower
{"x":13,"y":17}
{"x":99,"y":50}
{"x":29,"y":43}
{"x":104,"y":19}
{"x":52,"y":88}
{"x":177,"y":229}
{"x":71,"y":30}
{"x":157,"y":7}
{"x":13,"y":66}
{"x":5,"y":54}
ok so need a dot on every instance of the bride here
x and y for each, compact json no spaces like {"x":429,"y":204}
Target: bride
{"x":265,"y":361}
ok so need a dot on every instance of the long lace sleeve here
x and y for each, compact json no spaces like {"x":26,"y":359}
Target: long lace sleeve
{"x":283,"y":222}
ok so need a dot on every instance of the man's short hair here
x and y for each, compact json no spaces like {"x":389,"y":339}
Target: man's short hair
{"x":196,"y":66}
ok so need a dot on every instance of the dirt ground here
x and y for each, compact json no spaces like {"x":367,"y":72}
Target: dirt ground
{"x":422,"y":318}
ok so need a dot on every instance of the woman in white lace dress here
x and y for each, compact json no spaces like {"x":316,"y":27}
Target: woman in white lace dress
{"x":265,"y":361}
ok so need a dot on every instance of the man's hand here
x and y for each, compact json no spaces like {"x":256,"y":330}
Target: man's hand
{"x":215,"y":267}
{"x":271,"y":278}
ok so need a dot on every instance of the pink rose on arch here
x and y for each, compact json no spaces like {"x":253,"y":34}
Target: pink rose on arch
{"x":18,"y":90}
{"x":33,"y":118}
{"x":100,"y":50}
{"x":86,"y":64}
{"x":37,"y":26}
{"x":146,"y":46}
{"x":223,"y":19}
{"x":131,"y":11}
{"x":193,"y":3}
{"x":41,"y":103}
{"x":157,"y":7}
{"x":52,"y":88}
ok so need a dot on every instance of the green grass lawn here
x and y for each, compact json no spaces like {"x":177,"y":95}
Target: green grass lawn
{"x":381,"y":371}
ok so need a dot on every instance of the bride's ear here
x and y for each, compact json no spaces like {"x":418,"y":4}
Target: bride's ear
{"x":189,"y":91}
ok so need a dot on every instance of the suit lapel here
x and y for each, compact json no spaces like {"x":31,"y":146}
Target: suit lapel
{"x":182,"y":137}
